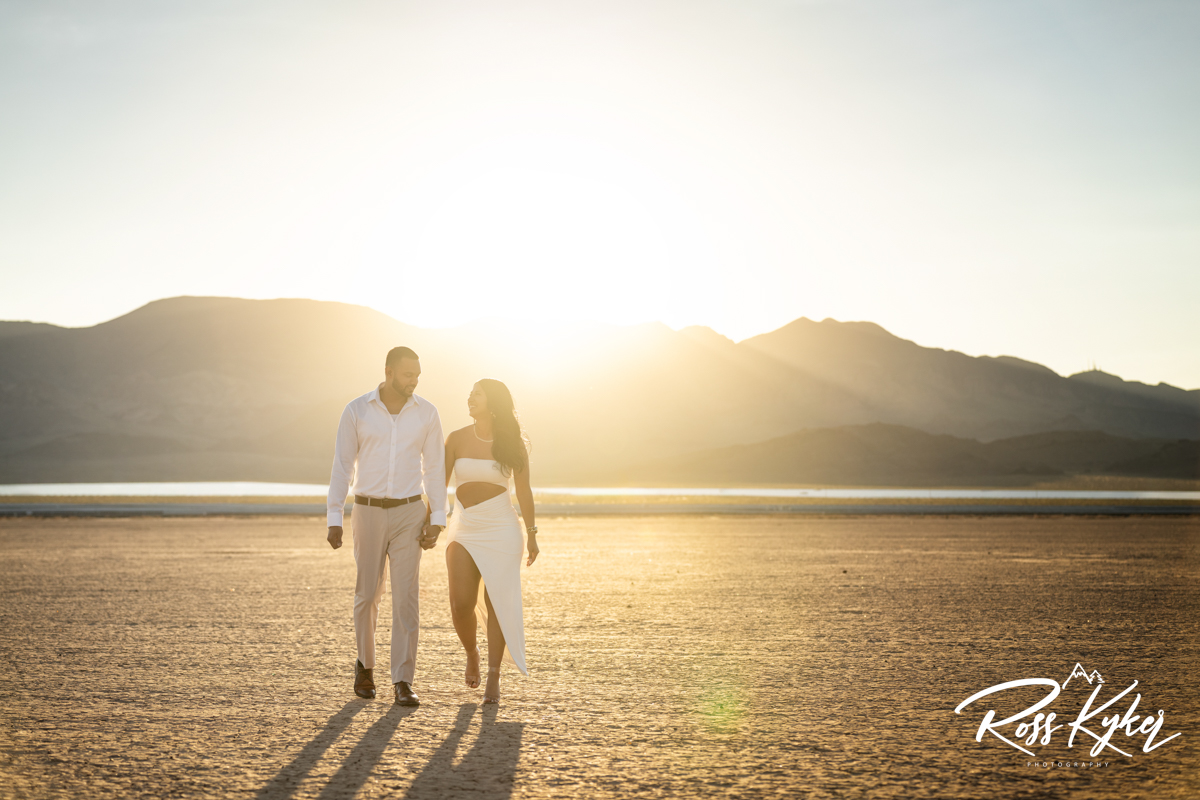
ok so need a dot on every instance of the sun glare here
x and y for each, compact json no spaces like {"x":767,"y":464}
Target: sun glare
{"x":552,"y":227}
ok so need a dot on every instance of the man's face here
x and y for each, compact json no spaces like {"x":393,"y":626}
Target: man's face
{"x":403,"y":377}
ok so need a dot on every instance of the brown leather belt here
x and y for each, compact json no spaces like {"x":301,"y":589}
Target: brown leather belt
{"x":388,"y":502}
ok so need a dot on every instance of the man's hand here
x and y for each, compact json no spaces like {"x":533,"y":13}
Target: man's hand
{"x":429,"y":536}
{"x":335,"y":536}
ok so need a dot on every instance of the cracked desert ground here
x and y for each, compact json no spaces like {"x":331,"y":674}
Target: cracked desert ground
{"x":682,"y":656}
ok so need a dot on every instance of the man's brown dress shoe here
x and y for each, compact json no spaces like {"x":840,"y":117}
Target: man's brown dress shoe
{"x":364,"y":683}
{"x":405,"y":696}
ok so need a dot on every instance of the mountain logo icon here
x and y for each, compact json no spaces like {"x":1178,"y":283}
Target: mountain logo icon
{"x":1080,"y":672}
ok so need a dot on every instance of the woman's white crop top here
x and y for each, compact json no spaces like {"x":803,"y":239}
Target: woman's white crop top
{"x":478,"y":470}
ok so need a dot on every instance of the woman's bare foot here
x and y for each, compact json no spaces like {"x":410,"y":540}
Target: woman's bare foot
{"x":471,"y":675}
{"x":491,"y":694}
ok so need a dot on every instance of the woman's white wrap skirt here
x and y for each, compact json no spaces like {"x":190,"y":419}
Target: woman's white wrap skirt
{"x":491,"y":533}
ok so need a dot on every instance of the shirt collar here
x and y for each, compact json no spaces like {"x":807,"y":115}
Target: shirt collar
{"x":416,"y":401}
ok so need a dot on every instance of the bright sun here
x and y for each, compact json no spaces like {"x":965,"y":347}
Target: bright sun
{"x":553,"y":227}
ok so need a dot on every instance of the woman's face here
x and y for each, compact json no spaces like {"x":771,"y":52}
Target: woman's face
{"x":477,"y":405}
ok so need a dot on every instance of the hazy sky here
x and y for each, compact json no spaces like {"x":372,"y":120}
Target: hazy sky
{"x":992,"y":177}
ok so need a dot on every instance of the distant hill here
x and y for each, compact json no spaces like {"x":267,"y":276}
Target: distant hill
{"x":892,"y":455}
{"x":944,"y":391}
{"x":11,"y":329}
{"x":210,"y":388}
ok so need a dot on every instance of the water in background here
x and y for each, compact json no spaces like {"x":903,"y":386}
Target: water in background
{"x":182,"y":489}
{"x":257,"y":489}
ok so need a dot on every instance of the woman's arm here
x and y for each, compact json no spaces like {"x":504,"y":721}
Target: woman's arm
{"x":525,"y":501}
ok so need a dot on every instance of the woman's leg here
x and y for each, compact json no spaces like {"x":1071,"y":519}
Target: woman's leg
{"x":495,"y":638}
{"x":464,"y":592}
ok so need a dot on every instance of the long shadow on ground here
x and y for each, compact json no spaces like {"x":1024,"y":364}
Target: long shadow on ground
{"x":284,"y":784}
{"x":487,"y":770}
{"x":366,"y":754}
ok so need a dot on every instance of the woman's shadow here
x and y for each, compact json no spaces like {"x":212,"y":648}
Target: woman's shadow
{"x":487,"y":770}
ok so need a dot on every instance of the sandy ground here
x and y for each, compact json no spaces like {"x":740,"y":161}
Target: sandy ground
{"x":670,"y":657}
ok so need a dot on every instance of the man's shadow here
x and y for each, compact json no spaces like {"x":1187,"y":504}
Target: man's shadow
{"x":366,"y":754}
{"x":487,"y":770}
{"x":285,"y":783}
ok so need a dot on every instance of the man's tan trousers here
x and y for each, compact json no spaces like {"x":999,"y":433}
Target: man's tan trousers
{"x":388,"y":538}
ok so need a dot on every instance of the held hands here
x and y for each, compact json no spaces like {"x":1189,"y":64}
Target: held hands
{"x":429,"y":536}
{"x":427,"y":539}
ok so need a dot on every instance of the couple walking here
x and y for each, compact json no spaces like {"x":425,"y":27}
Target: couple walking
{"x":389,"y":441}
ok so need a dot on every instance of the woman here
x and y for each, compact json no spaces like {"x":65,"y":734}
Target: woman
{"x":484,"y":536}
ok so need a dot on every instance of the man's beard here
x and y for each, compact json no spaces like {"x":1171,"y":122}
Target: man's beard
{"x":398,"y":389}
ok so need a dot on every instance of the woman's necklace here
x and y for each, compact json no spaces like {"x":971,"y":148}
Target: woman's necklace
{"x":477,"y":436}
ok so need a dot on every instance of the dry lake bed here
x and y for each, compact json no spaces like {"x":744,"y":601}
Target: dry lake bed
{"x":670,"y":656}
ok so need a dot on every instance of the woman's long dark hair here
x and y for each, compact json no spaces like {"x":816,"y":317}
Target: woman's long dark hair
{"x":509,"y":445}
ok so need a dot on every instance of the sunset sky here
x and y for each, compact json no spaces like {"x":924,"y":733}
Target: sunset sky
{"x":993,"y":177}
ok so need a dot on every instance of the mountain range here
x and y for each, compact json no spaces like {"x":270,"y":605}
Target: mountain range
{"x":206,"y":388}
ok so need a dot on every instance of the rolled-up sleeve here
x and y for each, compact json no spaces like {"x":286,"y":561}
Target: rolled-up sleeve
{"x":433,"y":469}
{"x":345,"y":453}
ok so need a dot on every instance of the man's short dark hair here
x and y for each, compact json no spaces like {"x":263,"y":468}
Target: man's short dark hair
{"x":396,"y":353}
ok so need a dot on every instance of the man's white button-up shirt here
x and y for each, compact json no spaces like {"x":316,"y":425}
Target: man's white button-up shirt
{"x":389,"y":456}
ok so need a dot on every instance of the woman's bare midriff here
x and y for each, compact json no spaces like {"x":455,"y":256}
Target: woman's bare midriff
{"x":476,"y":492}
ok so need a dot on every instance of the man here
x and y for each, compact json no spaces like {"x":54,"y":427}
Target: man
{"x":394,"y":438}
